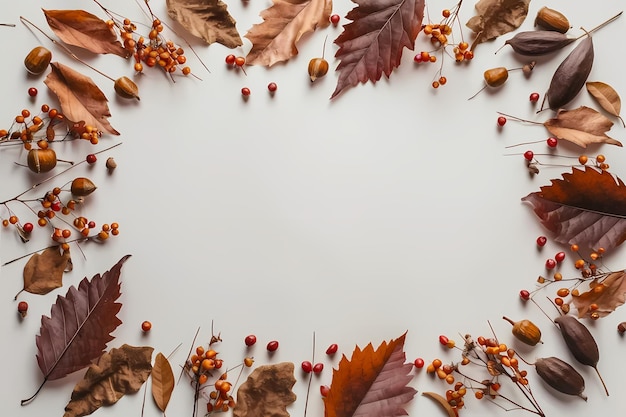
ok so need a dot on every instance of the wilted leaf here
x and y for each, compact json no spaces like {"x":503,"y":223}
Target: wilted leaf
{"x":80,"y":28}
{"x":206,"y":19}
{"x":371,"y":383}
{"x":283,"y":25}
{"x":582,"y":126}
{"x":608,"y":294}
{"x":266,"y":392}
{"x":496,"y":17}
{"x":587,"y":207}
{"x":374,"y":41}
{"x":442,"y":402}
{"x":607,"y":98}
{"x":44,"y":272}
{"x":162,"y":381}
{"x":81,"y":99}
{"x":116,"y":373}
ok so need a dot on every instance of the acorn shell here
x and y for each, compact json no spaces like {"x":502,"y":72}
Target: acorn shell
{"x":37,"y":60}
{"x":82,"y":187}
{"x":41,"y":160}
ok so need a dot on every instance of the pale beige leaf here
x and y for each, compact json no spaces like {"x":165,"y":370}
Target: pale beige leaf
{"x":162,"y":381}
{"x":44,"y":272}
{"x":283,"y":25}
{"x":607,"y":98}
{"x":582,"y":126}
{"x":206,"y":19}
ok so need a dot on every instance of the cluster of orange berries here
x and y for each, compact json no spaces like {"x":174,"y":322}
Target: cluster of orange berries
{"x":84,"y":131}
{"x":599,"y":161}
{"x":25,"y":127}
{"x":445,"y":372}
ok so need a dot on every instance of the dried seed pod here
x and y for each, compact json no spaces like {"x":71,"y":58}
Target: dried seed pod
{"x":581,"y":343}
{"x":621,"y":327}
{"x":561,"y":376}
{"x":318,"y":67}
{"x":538,"y":42}
{"x":551,"y":19}
{"x":41,"y":160}
{"x":495,"y":77}
{"x":525,"y":331}
{"x":82,"y":187}
{"x":110,"y":164}
{"x":37,"y":60}
{"x":126,"y":88}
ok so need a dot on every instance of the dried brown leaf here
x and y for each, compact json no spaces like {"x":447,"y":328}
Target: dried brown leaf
{"x":206,"y":19}
{"x":266,"y":392}
{"x":496,"y":17}
{"x":162,"y":381}
{"x":582,"y":126}
{"x":44,"y":271}
{"x":83,"y":29}
{"x":608,"y":294}
{"x":81,"y":99}
{"x":442,"y":402}
{"x":607,"y":98}
{"x":274,"y":40}
{"x":116,"y":373}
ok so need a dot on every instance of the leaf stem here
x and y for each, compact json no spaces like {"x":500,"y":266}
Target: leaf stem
{"x":32,"y":397}
{"x":600,"y":26}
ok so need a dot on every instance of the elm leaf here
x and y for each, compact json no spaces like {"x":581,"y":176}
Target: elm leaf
{"x":582,"y":126}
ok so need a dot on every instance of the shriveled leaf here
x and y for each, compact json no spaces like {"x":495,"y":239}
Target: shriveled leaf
{"x":83,"y":29}
{"x":274,"y":40}
{"x":373,"y":42}
{"x":442,"y":402}
{"x":582,"y":126}
{"x":206,"y":19}
{"x":81,"y":99}
{"x":116,"y":373}
{"x":608,"y":294}
{"x":266,"y":392}
{"x":607,"y":98}
{"x":496,"y":17}
{"x":162,"y":381}
{"x":587,"y":207}
{"x":44,"y":271}
{"x":371,"y":383}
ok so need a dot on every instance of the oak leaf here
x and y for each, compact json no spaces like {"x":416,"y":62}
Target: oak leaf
{"x":44,"y":271}
{"x":266,"y":392}
{"x":607,"y":98}
{"x":581,"y":126}
{"x":371,"y":383}
{"x":373,"y":42}
{"x":79,"y":325}
{"x":81,"y":99}
{"x":162,"y":381}
{"x":83,"y":29}
{"x":607,"y":294}
{"x":274,"y":40}
{"x":116,"y":373}
{"x":206,"y":19}
{"x":586,"y":207}
{"x":496,"y":17}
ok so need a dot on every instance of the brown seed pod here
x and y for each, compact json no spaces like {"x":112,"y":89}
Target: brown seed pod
{"x":37,"y":60}
{"x":126,"y":88}
{"x":525,"y":331}
{"x":318,"y":67}
{"x":41,"y":160}
{"x":570,"y":77}
{"x":561,"y":376}
{"x":82,"y":187}
{"x":581,"y":343}
{"x":551,"y":19}
{"x":538,"y":42}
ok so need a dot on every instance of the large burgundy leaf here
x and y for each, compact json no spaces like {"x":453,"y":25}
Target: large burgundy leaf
{"x":373,"y":42}
{"x":587,"y":207}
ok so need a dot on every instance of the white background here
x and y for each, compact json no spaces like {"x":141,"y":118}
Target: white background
{"x":390,"y":209}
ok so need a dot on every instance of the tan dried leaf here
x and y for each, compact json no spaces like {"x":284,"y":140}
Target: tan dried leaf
{"x":116,"y":373}
{"x":44,"y":272}
{"x":496,"y":17}
{"x":582,"y":126}
{"x":442,"y":402}
{"x":607,"y":98}
{"x":283,"y":25}
{"x":266,"y":392}
{"x":162,"y":381}
{"x":608,"y":294}
{"x":206,"y":19}
{"x":81,"y":99}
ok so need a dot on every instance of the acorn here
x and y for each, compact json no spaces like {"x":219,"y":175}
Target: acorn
{"x":495,"y":77}
{"x":41,"y":160}
{"x":318,"y":67}
{"x":525,"y":331}
{"x":126,"y":88}
{"x":552,"y":20}
{"x":38,"y":60}
{"x":82,"y":187}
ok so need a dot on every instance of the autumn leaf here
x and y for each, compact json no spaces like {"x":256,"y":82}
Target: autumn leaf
{"x":83,"y":29}
{"x":606,"y":293}
{"x":496,"y":17}
{"x":373,"y":42}
{"x":81,"y":99}
{"x":79,"y":325}
{"x":266,"y":392}
{"x":442,"y":402}
{"x":206,"y":19}
{"x":274,"y":40}
{"x":582,"y":126}
{"x":44,"y":271}
{"x":162,"y":381}
{"x":586,"y":207}
{"x":116,"y":373}
{"x":607,"y":98}
{"x":371,"y":383}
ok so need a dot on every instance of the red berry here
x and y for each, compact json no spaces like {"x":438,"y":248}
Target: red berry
{"x":534,"y":97}
{"x":501,"y":121}
{"x":541,"y":241}
{"x":419,"y":363}
{"x":324,"y":390}
{"x":230,"y":59}
{"x":245,"y":91}
{"x":307,"y":367}
{"x":559,"y":257}
{"x":550,"y":264}
{"x":417,"y":58}
{"x":529,"y":155}
{"x":272,"y":346}
{"x":28,"y":227}
{"x":552,"y":142}
{"x":318,"y":368}
{"x":91,"y":224}
{"x":524,"y":295}
{"x":32,"y":91}
{"x":250,"y":340}
{"x":56,"y":206}
{"x":91,"y":158}
{"x":334,"y":19}
{"x":272,"y":87}
{"x":332,"y":349}
{"x":146,"y":326}
{"x":443,"y":340}
{"x":22,"y":308}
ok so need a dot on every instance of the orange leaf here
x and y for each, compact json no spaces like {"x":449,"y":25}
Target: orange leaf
{"x":582,"y":126}
{"x":80,"y":28}
{"x":607,"y":294}
{"x":371,"y":383}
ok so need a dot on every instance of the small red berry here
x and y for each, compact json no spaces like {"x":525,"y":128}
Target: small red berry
{"x":91,"y":158}
{"x":534,"y":97}
{"x":419,"y":363}
{"x":22,"y":308}
{"x":318,"y":368}
{"x":524,"y":295}
{"x":417,"y":58}
{"x":332,"y":349}
{"x":541,"y":241}
{"x":550,"y":264}
{"x":250,"y":340}
{"x":146,"y":326}
{"x":501,"y":121}
{"x":334,"y":19}
{"x":272,"y":346}
{"x":324,"y":390}
{"x":32,"y":91}
{"x":443,"y":340}
{"x":307,"y":367}
{"x":245,"y":91}
{"x":56,"y":206}
{"x":272,"y":87}
{"x":230,"y":59}
{"x":28,"y":227}
{"x":552,"y":142}
{"x":91,"y":224}
{"x":559,"y":257}
{"x":529,"y":155}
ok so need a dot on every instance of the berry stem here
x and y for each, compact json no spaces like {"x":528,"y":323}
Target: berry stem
{"x":600,"y":26}
{"x":519,"y":119}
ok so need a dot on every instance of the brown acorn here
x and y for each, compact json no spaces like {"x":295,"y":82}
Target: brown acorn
{"x":552,"y":20}
{"x":126,"y":88}
{"x":41,"y":160}
{"x":318,"y":67}
{"x":37,"y":60}
{"x":495,"y":77}
{"x":525,"y":331}
{"x":82,"y":187}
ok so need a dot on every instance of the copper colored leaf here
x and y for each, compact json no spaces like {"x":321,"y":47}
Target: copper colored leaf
{"x":497,"y":17}
{"x":44,"y":271}
{"x":266,"y":392}
{"x":607,"y":97}
{"x":371,"y":383}
{"x":80,"y":28}
{"x":206,"y":19}
{"x":373,"y":42}
{"x":582,"y":126}
{"x":586,"y":207}
{"x":608,"y":294}
{"x":274,"y":40}
{"x":81,"y":99}
{"x":116,"y":373}
{"x":162,"y":381}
